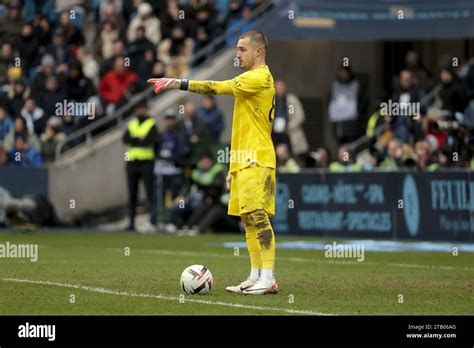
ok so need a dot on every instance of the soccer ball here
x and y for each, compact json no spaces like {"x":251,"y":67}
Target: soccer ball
{"x":196,"y":279}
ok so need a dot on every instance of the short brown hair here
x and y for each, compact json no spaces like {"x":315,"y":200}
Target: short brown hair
{"x":256,"y":36}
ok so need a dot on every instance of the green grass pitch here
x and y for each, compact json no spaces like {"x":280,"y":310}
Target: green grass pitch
{"x":92,"y":270}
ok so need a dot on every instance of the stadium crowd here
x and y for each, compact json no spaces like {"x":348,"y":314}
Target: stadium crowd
{"x":94,"y":52}
{"x":102,"y":53}
{"x":427,"y":123}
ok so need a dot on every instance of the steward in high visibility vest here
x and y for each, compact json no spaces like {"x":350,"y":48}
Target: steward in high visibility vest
{"x":143,"y":138}
{"x":139,"y":129}
{"x":336,"y":167}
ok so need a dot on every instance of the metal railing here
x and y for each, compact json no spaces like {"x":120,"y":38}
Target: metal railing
{"x":87,"y":132}
{"x":215,"y":47}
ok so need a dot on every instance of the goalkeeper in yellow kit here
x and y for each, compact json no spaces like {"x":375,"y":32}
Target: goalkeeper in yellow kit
{"x":251,"y":177}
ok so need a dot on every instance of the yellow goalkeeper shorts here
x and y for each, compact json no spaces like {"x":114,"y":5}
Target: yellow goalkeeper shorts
{"x":252,"y":188}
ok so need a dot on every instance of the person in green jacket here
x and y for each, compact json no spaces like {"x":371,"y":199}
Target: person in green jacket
{"x":393,"y":160}
{"x":345,"y":161}
{"x":424,"y":156}
{"x":285,"y":164}
{"x":201,"y":194}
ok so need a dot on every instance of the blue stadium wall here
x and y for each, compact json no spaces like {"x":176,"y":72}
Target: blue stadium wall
{"x":24,"y":181}
{"x":396,"y":205}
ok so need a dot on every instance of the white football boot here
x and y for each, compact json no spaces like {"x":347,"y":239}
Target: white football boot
{"x":241,"y":287}
{"x":262,"y":287}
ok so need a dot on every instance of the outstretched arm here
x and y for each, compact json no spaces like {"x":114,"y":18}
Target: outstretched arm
{"x":200,"y":87}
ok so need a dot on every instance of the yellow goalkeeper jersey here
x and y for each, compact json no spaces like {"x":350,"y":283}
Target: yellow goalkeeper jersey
{"x":254,"y":111}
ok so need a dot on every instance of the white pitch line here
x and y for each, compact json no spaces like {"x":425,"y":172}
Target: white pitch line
{"x":162,"y":297}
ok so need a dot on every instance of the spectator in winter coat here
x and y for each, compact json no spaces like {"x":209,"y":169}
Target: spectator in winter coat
{"x":60,"y":50}
{"x":137,"y":48}
{"x":115,"y":82}
{"x":405,"y":95}
{"x":34,"y":116}
{"x":289,"y":120}
{"x":210,"y":115}
{"x":28,"y":47}
{"x":452,"y":94}
{"x":79,"y":88}
{"x":196,"y":130}
{"x":50,"y":139}
{"x":53,"y":94}
{"x":10,"y":25}
{"x":172,"y":155}
{"x":6,"y":123}
{"x":20,"y":130}
{"x":145,"y":18}
{"x":23,"y":155}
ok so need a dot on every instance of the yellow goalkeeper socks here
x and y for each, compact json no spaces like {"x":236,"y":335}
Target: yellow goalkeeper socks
{"x":266,"y":242}
{"x":252,"y":246}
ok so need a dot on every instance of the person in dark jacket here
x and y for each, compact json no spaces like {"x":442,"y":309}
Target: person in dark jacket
{"x":137,"y":48}
{"x":212,"y":118}
{"x":10,"y":25}
{"x":53,"y":94}
{"x":452,"y":94}
{"x":59,"y":50}
{"x":406,"y":94}
{"x":17,"y":97}
{"x":145,"y":65}
{"x":79,"y":87}
{"x":7,"y":58}
{"x":172,"y":154}
{"x":72,"y":35}
{"x":23,"y":155}
{"x":196,"y":130}
{"x":28,"y":46}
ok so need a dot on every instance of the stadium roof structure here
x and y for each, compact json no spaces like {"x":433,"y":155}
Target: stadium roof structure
{"x":366,"y":20}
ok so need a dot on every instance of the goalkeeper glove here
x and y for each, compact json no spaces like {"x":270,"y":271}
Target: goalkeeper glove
{"x":159,"y":85}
